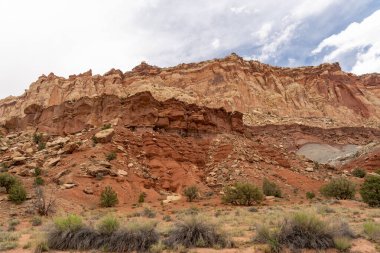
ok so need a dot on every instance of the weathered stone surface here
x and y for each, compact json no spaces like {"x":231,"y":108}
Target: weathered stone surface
{"x":105,"y":136}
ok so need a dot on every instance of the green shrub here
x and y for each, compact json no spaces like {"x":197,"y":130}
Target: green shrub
{"x":41,"y":146}
{"x":36,"y":221}
{"x":271,"y":189}
{"x":8,"y":241}
{"x":37,"y":172}
{"x":142,"y":197}
{"x":303,"y":231}
{"x":342,"y":243}
{"x":108,"y":225}
{"x":197,"y":232}
{"x":71,"y":222}
{"x":191,"y":193}
{"x":149,"y":213}
{"x":37,"y":138}
{"x":111,"y":156}
{"x":357,"y":172}
{"x":372,"y":229}
{"x":39,"y":181}
{"x":370,"y":191}
{"x":310,"y":195}
{"x":340,"y":188}
{"x":17,"y":193}
{"x":242,"y":194}
{"x":7,"y":181}
{"x":106,"y":126}
{"x":108,"y":197}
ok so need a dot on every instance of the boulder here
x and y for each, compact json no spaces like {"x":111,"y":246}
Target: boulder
{"x":105,"y":136}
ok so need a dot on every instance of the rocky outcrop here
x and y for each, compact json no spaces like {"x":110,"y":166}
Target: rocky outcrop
{"x":320,"y":96}
{"x":141,"y":110}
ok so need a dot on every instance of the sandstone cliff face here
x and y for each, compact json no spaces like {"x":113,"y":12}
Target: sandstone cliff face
{"x":321,"y":96}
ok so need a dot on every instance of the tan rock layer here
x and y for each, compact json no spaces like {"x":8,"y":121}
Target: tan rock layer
{"x":321,"y":96}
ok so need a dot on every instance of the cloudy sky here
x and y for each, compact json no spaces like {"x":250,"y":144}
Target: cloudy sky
{"x":71,"y":36}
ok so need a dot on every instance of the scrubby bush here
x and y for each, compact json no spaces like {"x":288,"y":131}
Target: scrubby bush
{"x":43,"y":205}
{"x":111,"y":156}
{"x":37,"y":138}
{"x":142,"y":197}
{"x":196,"y":232}
{"x":372,"y":230}
{"x":71,"y":222}
{"x":358,"y":172}
{"x":303,"y":230}
{"x":17,"y":193}
{"x":149,"y":213}
{"x":340,"y":188}
{"x":242,"y":194}
{"x":310,"y":195}
{"x":342,"y":243}
{"x":8,"y":241}
{"x":191,"y":193}
{"x":271,"y":189}
{"x":108,"y":225}
{"x":7,"y":181}
{"x":36,"y":221}
{"x":135,"y":237}
{"x":108,"y":197}
{"x":370,"y":191}
{"x":37,"y":172}
{"x":39,"y":181}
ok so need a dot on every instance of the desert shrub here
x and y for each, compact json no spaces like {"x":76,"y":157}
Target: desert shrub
{"x":157,"y":248}
{"x":94,"y":140}
{"x":81,"y":238}
{"x":17,"y":193}
{"x":149,"y":213}
{"x":242,"y":194}
{"x":358,"y":172}
{"x":71,"y":222}
{"x":43,"y":205}
{"x":310,"y":195}
{"x":191,"y":193}
{"x":167,"y":218}
{"x":37,"y":138}
{"x":108,"y":197}
{"x":342,"y":243}
{"x":36,"y":221}
{"x":340,"y":188}
{"x":8,"y":241}
{"x":108,"y":225}
{"x":142,"y":197}
{"x":7,"y":181}
{"x":37,"y":172}
{"x":271,"y":189}
{"x":372,"y":230}
{"x":106,"y":126}
{"x":111,"y":156}
{"x":39,"y":181}
{"x":194,"y":231}
{"x":41,"y":246}
{"x":41,"y":146}
{"x":370,"y":191}
{"x":135,"y":237}
{"x":303,"y":230}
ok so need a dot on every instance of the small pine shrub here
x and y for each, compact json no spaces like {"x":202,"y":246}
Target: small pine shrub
{"x":370,"y":191}
{"x":37,"y":172}
{"x":111,"y":156}
{"x":17,"y":193}
{"x":358,"y":172}
{"x":242,"y":194}
{"x":340,"y":188}
{"x":39,"y":181}
{"x":108,"y":197}
{"x":271,"y":189}
{"x":71,"y":222}
{"x":7,"y":181}
{"x":191,"y":193}
{"x":142,"y":197}
{"x":310,"y":195}
{"x":108,"y":225}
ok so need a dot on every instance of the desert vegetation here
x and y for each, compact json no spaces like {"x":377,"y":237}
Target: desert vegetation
{"x":340,"y":188}
{"x":242,"y":194}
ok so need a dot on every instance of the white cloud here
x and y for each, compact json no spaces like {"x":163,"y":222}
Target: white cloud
{"x":216,"y":43}
{"x":358,"y":40}
{"x":72,"y":36}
